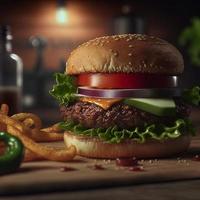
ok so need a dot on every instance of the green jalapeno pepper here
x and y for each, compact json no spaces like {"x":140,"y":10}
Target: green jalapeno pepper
{"x":13,"y":155}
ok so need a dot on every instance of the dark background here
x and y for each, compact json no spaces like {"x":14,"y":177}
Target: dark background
{"x":44,"y":43}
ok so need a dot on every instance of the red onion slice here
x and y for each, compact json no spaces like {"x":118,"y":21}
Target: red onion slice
{"x":124,"y":93}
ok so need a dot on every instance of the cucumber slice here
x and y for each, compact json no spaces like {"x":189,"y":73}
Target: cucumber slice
{"x":160,"y":107}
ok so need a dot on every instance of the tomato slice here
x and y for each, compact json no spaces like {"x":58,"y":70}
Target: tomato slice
{"x":120,"y":80}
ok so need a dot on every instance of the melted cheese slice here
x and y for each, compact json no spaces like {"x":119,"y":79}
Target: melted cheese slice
{"x":104,"y":103}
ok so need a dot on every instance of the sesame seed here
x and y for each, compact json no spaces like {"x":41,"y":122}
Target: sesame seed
{"x":116,"y":39}
{"x":130,"y":54}
{"x":130,"y":45}
{"x":130,"y":63}
{"x":115,"y":54}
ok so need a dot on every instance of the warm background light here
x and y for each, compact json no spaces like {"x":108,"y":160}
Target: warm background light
{"x":66,"y":24}
{"x":62,"y":15}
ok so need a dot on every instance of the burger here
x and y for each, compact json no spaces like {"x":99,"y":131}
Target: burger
{"x":119,"y":98}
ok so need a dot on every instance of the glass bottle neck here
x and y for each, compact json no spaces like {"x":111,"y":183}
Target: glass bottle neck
{"x":5,"y":46}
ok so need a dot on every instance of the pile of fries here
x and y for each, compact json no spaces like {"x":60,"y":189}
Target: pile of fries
{"x":28,"y":128}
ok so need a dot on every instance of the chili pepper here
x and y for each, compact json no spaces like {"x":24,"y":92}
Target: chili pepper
{"x":13,"y":155}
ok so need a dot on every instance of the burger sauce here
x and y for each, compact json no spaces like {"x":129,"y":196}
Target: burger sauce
{"x":196,"y":158}
{"x":131,"y":163}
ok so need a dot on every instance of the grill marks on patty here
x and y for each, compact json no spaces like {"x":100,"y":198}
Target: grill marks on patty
{"x":124,"y":116}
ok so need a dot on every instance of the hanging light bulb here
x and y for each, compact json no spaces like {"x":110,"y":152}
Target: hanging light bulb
{"x":61,"y":12}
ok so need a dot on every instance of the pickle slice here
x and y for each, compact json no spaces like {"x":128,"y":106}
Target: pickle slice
{"x":160,"y":107}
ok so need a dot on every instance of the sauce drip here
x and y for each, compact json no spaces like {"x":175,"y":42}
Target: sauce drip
{"x":131,"y":163}
{"x":196,"y":158}
{"x":126,"y":162}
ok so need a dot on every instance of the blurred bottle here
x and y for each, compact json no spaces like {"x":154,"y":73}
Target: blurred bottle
{"x":129,"y":22}
{"x":11,"y":73}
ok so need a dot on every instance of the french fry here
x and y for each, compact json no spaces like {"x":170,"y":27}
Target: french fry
{"x":30,"y":156}
{"x":24,"y":116}
{"x":4,"y":119}
{"x":27,"y":127}
{"x":55,"y":128}
{"x":35,"y":134}
{"x":4,"y":109}
{"x":3,"y":127}
{"x":50,"y":153}
{"x":41,"y":136}
{"x":29,"y":123}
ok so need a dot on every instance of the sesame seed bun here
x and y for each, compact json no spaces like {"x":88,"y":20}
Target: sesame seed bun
{"x":93,"y":147}
{"x":128,"y":53}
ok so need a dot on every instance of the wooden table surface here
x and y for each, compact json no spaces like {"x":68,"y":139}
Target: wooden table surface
{"x":173,"y":178}
{"x":182,"y":190}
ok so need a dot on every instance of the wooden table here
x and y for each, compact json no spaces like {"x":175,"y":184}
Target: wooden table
{"x":184,"y":190}
{"x":174,"y":178}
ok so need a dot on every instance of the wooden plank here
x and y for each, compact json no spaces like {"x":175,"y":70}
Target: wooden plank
{"x":36,"y":177}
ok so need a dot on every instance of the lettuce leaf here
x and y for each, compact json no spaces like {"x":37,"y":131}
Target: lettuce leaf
{"x":64,"y":89}
{"x":117,"y":135}
{"x":192,"y":96}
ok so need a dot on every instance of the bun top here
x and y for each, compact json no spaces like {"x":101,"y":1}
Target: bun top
{"x":128,"y":53}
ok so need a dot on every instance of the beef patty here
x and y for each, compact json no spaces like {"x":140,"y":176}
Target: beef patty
{"x":124,"y":116}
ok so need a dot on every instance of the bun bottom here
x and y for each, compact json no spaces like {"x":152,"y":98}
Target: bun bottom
{"x":96,"y":148}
